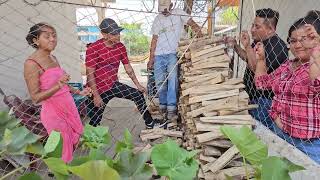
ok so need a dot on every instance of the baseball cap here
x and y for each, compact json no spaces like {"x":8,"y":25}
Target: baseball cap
{"x":163,"y":4}
{"x":109,"y":26}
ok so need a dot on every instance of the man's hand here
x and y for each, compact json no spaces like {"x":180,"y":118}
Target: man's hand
{"x":259,"y":51}
{"x":97,"y":100}
{"x":141,"y":88}
{"x":230,"y":41}
{"x":245,"y":39}
{"x":150,"y":63}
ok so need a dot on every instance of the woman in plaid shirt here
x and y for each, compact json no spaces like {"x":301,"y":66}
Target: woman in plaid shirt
{"x":296,"y":84}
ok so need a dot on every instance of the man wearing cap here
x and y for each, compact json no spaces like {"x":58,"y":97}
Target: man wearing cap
{"x":102,"y":63}
{"x":166,"y":30}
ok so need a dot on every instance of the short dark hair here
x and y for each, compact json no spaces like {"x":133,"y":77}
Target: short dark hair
{"x":35,"y":32}
{"x":270,"y":15}
{"x":312,"y":17}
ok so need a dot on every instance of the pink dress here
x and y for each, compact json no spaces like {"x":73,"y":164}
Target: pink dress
{"x":59,"y":112}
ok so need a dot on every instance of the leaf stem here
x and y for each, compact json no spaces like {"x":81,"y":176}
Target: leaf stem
{"x":245,"y":167}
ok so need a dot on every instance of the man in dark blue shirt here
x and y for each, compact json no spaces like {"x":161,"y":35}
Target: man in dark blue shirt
{"x":263,"y":30}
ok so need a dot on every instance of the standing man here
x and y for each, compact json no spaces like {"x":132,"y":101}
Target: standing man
{"x":263,"y":30}
{"x":103,"y":58}
{"x":166,"y":31}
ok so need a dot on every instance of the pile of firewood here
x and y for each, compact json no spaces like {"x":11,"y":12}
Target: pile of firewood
{"x":208,"y":100}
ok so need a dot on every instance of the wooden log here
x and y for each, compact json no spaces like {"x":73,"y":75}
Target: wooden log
{"x":158,"y":133}
{"x":210,"y":114}
{"x":233,"y":81}
{"x":207,"y":65}
{"x":211,"y":151}
{"x":206,"y":158}
{"x":214,"y":96}
{"x":222,"y":161}
{"x":197,"y":77}
{"x":199,"y":44}
{"x":221,"y":104}
{"x":235,"y":172}
{"x":208,"y":80}
{"x":205,"y":127}
{"x":209,"y":88}
{"x":201,"y":60}
{"x":219,"y":143}
{"x":205,"y":137}
{"x":195,"y":53}
{"x":230,"y":117}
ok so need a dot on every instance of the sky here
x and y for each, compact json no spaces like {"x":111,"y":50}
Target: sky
{"x":88,"y":16}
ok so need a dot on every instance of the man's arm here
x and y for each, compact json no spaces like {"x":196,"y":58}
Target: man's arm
{"x":231,"y":41}
{"x":250,"y":54}
{"x":241,"y":52}
{"x":152,"y":51}
{"x":91,"y":80}
{"x":195,"y":27}
{"x":132,"y":75}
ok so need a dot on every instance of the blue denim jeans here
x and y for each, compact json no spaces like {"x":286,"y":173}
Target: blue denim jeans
{"x":163,"y":65}
{"x":262,"y":112}
{"x":310,"y":147}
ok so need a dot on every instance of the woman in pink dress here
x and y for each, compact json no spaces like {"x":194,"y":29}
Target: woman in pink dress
{"x":47,"y":85}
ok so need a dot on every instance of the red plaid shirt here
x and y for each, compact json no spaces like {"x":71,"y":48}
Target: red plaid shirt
{"x":296,"y":100}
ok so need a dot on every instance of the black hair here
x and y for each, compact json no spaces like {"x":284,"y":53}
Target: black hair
{"x":271,"y":16}
{"x":88,"y":45}
{"x":312,"y":17}
{"x":35,"y":32}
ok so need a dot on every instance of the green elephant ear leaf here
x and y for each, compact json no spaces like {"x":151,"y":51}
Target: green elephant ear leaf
{"x":133,"y":166}
{"x":277,"y":168}
{"x":30,"y":176}
{"x":250,"y":147}
{"x":174,"y":162}
{"x":95,"y":170}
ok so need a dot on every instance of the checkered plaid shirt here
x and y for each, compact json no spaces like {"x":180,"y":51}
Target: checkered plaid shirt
{"x":296,"y":101}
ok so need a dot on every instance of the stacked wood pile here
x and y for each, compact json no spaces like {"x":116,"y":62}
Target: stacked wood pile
{"x":208,"y":100}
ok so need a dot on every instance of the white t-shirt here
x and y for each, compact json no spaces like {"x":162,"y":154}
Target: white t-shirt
{"x":168,"y":29}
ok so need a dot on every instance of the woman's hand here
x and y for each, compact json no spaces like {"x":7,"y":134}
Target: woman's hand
{"x":313,"y":38}
{"x":64,"y":80}
{"x":86,"y":92}
{"x":259,"y":51}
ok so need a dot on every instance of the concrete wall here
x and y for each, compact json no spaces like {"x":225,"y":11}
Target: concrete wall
{"x":16,"y":17}
{"x":289,"y":10}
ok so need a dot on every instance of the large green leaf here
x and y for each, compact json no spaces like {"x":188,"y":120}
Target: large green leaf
{"x":250,"y":147}
{"x":276,"y":168}
{"x":35,"y":148}
{"x":174,"y":162}
{"x":7,"y":122}
{"x":95,"y":137}
{"x":95,"y":154}
{"x":58,"y":167}
{"x":133,"y":166}
{"x":30,"y":176}
{"x":126,"y":144}
{"x":52,"y":142}
{"x":95,"y":170}
{"x":291,"y":166}
{"x":21,"y":137}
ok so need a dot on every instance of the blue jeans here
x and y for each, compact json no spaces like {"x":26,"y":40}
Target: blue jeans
{"x":163,"y":65}
{"x":262,"y":112}
{"x":310,"y":147}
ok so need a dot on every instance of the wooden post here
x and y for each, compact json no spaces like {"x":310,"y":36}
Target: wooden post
{"x":210,"y":19}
